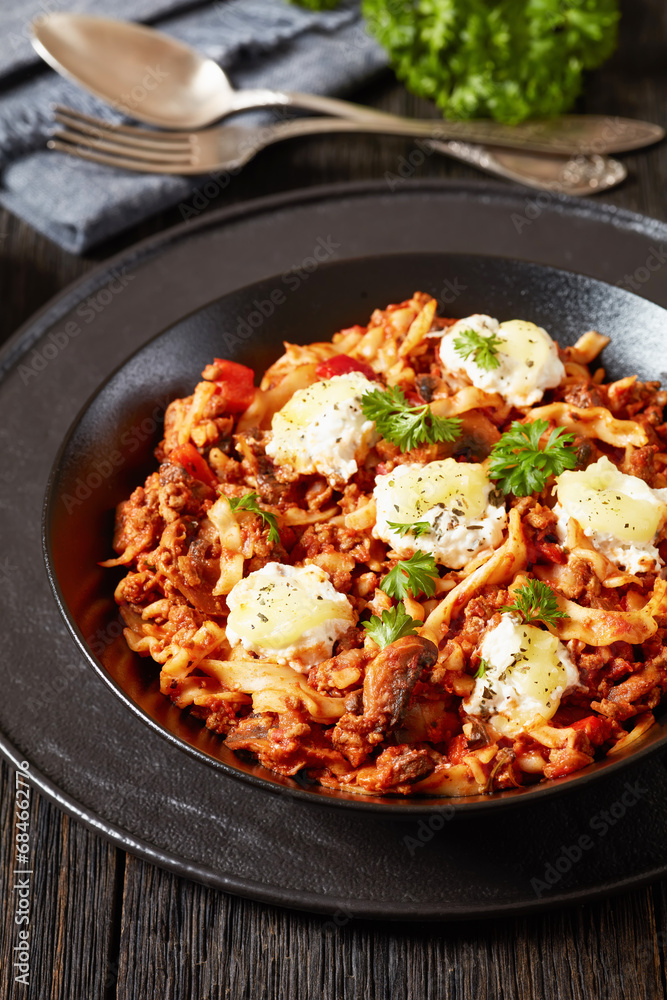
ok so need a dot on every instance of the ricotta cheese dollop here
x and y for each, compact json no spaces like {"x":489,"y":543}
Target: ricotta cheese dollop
{"x":527,"y":672}
{"x":290,"y":614}
{"x":528,"y":359}
{"x":620,"y":514}
{"x":322,"y":428}
{"x":456,"y":500}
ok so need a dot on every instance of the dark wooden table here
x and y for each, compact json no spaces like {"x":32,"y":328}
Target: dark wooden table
{"x":108,"y":925}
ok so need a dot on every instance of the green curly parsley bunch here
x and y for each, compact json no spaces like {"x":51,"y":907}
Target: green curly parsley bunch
{"x":504,"y":59}
{"x":508,"y":59}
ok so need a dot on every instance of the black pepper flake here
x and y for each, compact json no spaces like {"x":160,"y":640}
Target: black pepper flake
{"x":262,"y":617}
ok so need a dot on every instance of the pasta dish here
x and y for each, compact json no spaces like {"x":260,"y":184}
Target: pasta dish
{"x":424,"y":558}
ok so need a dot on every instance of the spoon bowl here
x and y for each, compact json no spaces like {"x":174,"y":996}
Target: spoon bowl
{"x":143,"y":73}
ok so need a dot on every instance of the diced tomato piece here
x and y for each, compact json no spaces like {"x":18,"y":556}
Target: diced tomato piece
{"x":342,"y":364}
{"x":551,"y":551}
{"x":596,"y":729}
{"x":236,"y":383}
{"x":189,"y":458}
{"x":457,"y":749}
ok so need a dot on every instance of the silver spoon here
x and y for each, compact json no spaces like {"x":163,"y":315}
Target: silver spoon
{"x":156,"y":79}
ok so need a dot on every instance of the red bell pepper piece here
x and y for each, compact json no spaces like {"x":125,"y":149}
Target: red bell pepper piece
{"x":236,"y":383}
{"x":342,"y":364}
{"x":457,"y":749}
{"x":597,"y":730}
{"x":187,"y":456}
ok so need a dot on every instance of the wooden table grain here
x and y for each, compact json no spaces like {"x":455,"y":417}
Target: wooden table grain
{"x":106,"y":925}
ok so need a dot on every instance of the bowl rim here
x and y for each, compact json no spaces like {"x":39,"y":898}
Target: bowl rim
{"x":396,"y":806}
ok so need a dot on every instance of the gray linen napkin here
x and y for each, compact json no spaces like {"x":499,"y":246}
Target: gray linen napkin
{"x":267,"y":43}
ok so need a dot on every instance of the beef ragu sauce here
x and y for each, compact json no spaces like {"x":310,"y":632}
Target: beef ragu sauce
{"x":404,"y":564}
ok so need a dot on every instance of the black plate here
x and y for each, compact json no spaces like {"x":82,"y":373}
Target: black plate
{"x":109,"y":451}
{"x":100,"y":763}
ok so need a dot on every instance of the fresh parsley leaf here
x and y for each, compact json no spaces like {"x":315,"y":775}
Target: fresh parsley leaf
{"x":535,"y":602}
{"x":481,"y":669}
{"x":250,"y":502}
{"x":416,"y":575}
{"x":521,"y":467}
{"x":483,"y":350}
{"x":404,"y":425}
{"x":394,"y":624}
{"x":417,"y":528}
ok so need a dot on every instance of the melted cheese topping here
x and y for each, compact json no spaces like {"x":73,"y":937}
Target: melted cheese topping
{"x":528,"y":670}
{"x":621,"y":514}
{"x":322,"y":428}
{"x":291,"y":614}
{"x":528,"y":357}
{"x":454,"y":498}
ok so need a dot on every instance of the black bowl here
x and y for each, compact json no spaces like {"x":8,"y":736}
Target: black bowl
{"x":109,"y":451}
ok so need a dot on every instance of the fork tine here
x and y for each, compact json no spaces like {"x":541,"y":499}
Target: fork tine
{"x":120,"y":137}
{"x":141,"y":166}
{"x":157,"y":158}
{"x":132,"y":130}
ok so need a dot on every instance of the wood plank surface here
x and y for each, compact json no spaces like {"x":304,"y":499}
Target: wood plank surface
{"x":106,"y":925}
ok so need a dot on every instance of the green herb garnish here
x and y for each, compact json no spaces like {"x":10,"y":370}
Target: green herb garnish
{"x":404,"y":425}
{"x":535,"y":602}
{"x":521,"y":467}
{"x":483,"y":350}
{"x":394,"y":624}
{"x":416,"y":575}
{"x":481,"y":669}
{"x":417,"y":528}
{"x":250,"y":502}
{"x":510,"y":61}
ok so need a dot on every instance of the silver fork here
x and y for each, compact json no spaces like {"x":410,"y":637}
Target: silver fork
{"x":230,"y":147}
